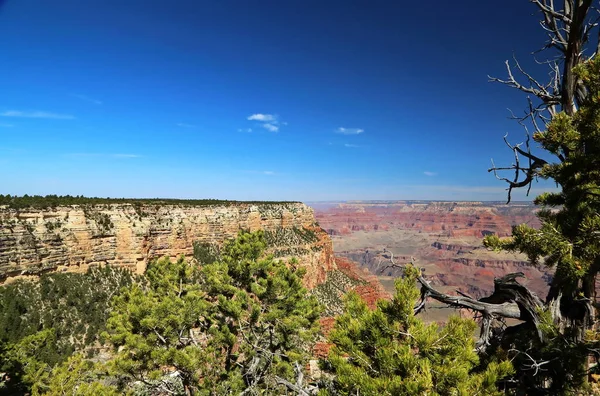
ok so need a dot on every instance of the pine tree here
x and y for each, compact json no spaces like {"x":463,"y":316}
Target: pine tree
{"x":568,"y":240}
{"x":551,"y":345}
{"x":234,"y":325}
{"x":389,"y":351}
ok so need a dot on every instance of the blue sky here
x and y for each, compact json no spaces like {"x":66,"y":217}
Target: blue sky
{"x":281,"y":100}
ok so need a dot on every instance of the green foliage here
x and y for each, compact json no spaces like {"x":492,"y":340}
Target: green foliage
{"x":74,"y":376}
{"x":206,"y":253}
{"x":223,"y":327}
{"x":43,"y":323}
{"x":285,"y":237}
{"x":78,"y":376}
{"x":330,"y":293}
{"x":102,"y":220}
{"x":388,"y":351}
{"x":153,"y":325}
{"x":24,"y":361}
{"x":74,"y":306}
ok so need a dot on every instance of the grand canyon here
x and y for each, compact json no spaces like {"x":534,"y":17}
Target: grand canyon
{"x":444,"y":239}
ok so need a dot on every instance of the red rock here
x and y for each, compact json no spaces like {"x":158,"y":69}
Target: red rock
{"x":372,"y":290}
{"x":450,"y":218}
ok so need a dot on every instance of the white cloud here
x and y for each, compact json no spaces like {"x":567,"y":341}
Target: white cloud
{"x":427,"y":173}
{"x":184,"y":125}
{"x":263,"y":172}
{"x":87,"y":99}
{"x":263,"y":117}
{"x":126,"y":155}
{"x":268,"y":121}
{"x":248,"y":130}
{"x":36,"y":114}
{"x":271,"y":127}
{"x":351,"y":145}
{"x":349,"y":131}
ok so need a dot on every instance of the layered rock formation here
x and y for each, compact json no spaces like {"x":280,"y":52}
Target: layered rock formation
{"x":456,"y":219}
{"x":445,"y":239}
{"x":73,"y":238}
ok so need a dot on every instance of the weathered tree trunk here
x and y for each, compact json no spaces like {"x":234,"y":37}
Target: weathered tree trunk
{"x":573,"y":54}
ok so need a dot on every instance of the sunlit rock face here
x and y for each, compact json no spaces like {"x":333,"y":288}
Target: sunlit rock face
{"x":74,"y":238}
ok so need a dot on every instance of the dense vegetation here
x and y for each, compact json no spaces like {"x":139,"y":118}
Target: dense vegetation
{"x":563,"y":335}
{"x":389,"y":351}
{"x":52,"y":318}
{"x":234,"y":320}
{"x":555,"y":346}
{"x":231,"y":321}
{"x":52,"y":201}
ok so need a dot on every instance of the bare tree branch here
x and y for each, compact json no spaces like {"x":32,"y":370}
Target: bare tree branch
{"x":569,"y":25}
{"x":535,"y":365}
{"x":510,"y":300}
{"x":530,"y":171}
{"x":298,"y":386}
{"x":534,"y":87}
{"x":549,"y":12}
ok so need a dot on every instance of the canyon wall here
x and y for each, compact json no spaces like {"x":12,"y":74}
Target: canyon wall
{"x":443,"y":238}
{"x":454,"y":219}
{"x":74,"y":238}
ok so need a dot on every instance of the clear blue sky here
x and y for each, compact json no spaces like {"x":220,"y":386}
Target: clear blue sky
{"x":294,"y":100}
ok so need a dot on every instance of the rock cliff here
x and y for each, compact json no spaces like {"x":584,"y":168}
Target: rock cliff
{"x":73,"y":238}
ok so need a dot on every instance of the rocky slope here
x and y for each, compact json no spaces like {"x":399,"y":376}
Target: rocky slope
{"x":73,"y":238}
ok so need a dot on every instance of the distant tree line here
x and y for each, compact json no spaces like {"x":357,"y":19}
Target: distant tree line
{"x":53,"y":201}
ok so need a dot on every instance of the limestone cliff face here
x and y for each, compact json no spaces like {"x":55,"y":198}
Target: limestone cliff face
{"x":73,"y":238}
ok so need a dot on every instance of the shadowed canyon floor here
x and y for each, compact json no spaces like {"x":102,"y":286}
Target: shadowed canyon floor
{"x":445,"y":238}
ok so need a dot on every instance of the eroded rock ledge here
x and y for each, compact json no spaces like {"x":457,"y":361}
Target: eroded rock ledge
{"x":73,"y":238}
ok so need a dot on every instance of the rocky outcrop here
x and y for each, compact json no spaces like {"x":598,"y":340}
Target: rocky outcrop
{"x":376,"y":262}
{"x":459,"y":249}
{"x":74,"y":238}
{"x":504,"y":265}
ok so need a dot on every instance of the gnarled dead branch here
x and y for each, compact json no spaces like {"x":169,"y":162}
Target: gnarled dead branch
{"x":298,"y":387}
{"x":510,"y":300}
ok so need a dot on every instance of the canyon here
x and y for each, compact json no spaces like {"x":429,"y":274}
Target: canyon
{"x":343,"y":245}
{"x":444,"y":239}
{"x":76,"y":237}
